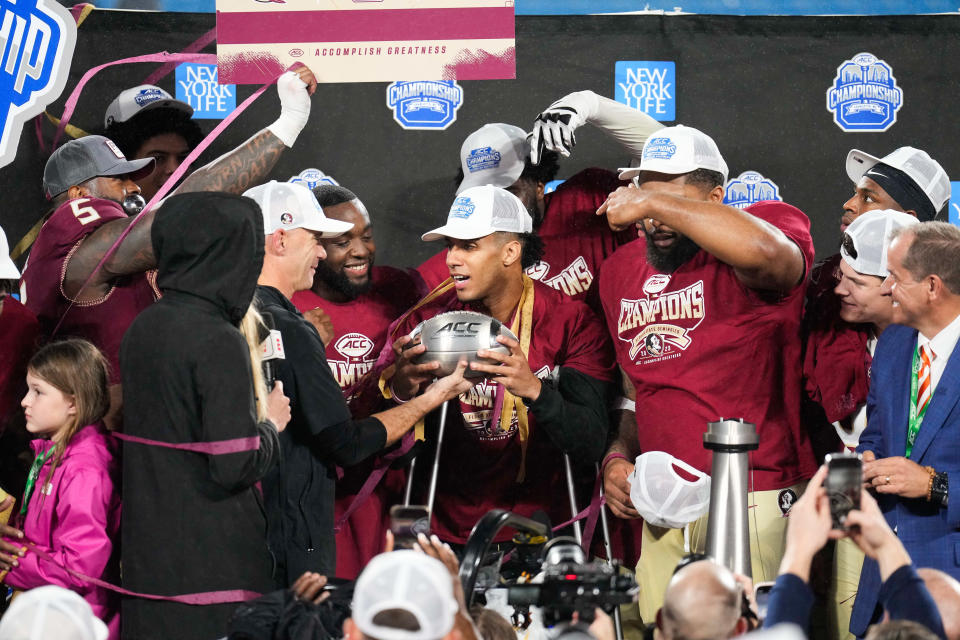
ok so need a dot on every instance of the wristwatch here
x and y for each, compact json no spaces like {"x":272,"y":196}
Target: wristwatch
{"x":940,"y":491}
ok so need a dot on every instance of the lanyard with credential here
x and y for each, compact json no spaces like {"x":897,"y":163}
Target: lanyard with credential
{"x":913,"y":426}
{"x":32,"y":478}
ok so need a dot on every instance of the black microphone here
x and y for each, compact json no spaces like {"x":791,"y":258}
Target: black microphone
{"x":271,"y":349}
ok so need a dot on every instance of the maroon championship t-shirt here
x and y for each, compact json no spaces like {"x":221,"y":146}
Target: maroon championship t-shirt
{"x":102,"y":321}
{"x":699,"y":346}
{"x":479,"y":463}
{"x":576,"y":240}
{"x":360,"y":332}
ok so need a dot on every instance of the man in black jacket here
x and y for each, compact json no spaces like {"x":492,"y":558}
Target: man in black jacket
{"x":300,"y":492}
{"x":193,"y":520}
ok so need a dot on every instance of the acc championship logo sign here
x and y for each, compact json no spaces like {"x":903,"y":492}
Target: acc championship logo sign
{"x":36,"y":40}
{"x":310,"y":178}
{"x":647,"y":86}
{"x":749,"y":188}
{"x":864,"y":95}
{"x":425,"y":104}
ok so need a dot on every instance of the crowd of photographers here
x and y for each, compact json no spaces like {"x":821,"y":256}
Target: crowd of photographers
{"x":270,"y":387}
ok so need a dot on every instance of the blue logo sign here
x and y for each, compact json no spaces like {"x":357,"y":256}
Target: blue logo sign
{"x":197,"y":86}
{"x":425,"y":104}
{"x":310,"y":178}
{"x":749,"y":188}
{"x":647,"y":86}
{"x":551,"y":186}
{"x":953,"y":206}
{"x":463,"y":208}
{"x":659,"y":149}
{"x":483,"y":158}
{"x":36,"y":44}
{"x":864,"y":95}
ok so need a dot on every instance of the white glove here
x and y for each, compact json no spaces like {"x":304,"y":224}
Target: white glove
{"x":553,"y":129}
{"x":294,"y":108}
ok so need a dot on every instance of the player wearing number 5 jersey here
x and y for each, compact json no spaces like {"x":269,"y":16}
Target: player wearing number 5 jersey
{"x":88,"y":180}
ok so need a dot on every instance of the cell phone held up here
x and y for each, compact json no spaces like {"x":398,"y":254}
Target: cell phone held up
{"x":406,"y":523}
{"x":843,"y":484}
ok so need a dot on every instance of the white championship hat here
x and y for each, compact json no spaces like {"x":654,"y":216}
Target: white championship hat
{"x":677,"y":150}
{"x":662,"y":496}
{"x":866,"y":240}
{"x":51,"y":612}
{"x":493,"y":154}
{"x":410,"y":582}
{"x":288,"y":206}
{"x":132,"y":101}
{"x":480,"y":211}
{"x":916,"y":163}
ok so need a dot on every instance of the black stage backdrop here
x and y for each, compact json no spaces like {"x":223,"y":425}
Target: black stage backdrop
{"x":756,"y":84}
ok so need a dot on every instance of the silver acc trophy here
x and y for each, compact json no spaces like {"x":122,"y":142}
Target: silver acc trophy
{"x":728,"y":536}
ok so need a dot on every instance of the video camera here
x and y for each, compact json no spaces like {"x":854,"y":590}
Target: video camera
{"x":571,"y":584}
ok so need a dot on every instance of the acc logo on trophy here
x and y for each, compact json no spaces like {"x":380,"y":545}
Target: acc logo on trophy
{"x":36,"y":43}
{"x":864,"y":95}
{"x":425,"y":104}
{"x":749,"y":188}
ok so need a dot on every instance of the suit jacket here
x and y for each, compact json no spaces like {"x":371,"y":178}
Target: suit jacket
{"x":930,"y":533}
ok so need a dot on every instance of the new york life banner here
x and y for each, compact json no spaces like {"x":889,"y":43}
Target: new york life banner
{"x":366,"y":40}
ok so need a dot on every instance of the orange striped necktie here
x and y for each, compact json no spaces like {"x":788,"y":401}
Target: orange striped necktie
{"x":924,"y":381}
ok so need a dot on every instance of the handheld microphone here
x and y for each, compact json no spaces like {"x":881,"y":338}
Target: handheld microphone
{"x":271,"y":349}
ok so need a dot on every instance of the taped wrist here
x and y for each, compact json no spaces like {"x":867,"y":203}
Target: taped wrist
{"x":294,"y":108}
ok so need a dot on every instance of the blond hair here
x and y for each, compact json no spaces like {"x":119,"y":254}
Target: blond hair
{"x":251,"y":326}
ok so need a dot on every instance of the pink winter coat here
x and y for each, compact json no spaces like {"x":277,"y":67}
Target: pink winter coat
{"x":76,"y":519}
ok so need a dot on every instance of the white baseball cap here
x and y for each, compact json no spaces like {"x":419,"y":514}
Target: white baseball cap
{"x":408,"y":581}
{"x":866,"y":240}
{"x":480,"y":211}
{"x":493,"y":154}
{"x":662,"y":496}
{"x":678,"y":150}
{"x":8,"y":270}
{"x":51,"y":612}
{"x":132,"y":101}
{"x":916,"y":163}
{"x":288,"y":206}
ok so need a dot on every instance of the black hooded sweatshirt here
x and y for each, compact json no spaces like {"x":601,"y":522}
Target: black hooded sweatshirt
{"x":194,"y":522}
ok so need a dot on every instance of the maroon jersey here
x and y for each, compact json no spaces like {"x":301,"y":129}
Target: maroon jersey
{"x":18,"y":341}
{"x":360,"y":327}
{"x":479,"y":462}
{"x":576,"y":240}
{"x":102,"y":321}
{"x":699,"y":346}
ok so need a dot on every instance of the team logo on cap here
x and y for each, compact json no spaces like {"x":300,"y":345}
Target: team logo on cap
{"x":749,"y":188}
{"x":659,"y":149}
{"x":38,"y":38}
{"x":286,"y":218}
{"x":483,"y":158}
{"x":114,"y":148}
{"x":146,"y":96}
{"x":463,"y":207}
{"x":864,"y":95}
{"x":425,"y":104}
{"x":310,"y":178}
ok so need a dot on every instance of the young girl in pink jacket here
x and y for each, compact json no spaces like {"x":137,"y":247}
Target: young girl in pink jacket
{"x":71,"y":506}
